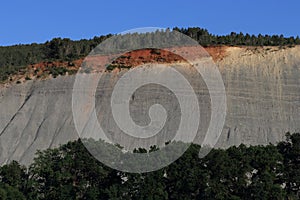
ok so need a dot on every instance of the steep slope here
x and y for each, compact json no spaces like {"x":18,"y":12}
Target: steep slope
{"x":263,"y":101}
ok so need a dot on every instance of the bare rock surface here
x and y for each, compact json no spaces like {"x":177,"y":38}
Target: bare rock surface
{"x":263,"y":103}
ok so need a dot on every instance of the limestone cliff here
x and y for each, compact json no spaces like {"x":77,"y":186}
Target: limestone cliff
{"x":263,"y":103}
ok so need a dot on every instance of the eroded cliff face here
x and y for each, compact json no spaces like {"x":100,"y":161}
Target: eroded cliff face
{"x":263,"y":103}
{"x":263,"y":92}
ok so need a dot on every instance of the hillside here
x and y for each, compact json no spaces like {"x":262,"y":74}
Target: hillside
{"x":262,"y":86}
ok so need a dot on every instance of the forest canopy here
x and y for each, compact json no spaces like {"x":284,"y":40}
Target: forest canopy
{"x":70,"y":172}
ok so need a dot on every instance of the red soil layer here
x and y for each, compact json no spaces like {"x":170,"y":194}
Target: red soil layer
{"x":217,"y":53}
{"x":130,"y":59}
{"x":139,"y":57}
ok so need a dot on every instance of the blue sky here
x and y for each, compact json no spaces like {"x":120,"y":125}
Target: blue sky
{"x":28,"y":21}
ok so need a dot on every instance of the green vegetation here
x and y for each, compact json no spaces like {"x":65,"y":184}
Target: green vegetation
{"x":14,"y":58}
{"x":70,"y":172}
{"x":113,"y":66}
{"x":55,"y":71}
{"x":238,"y":39}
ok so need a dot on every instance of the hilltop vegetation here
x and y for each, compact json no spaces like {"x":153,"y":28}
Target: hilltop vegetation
{"x":237,"y":39}
{"x":17,"y":57}
{"x":70,"y":172}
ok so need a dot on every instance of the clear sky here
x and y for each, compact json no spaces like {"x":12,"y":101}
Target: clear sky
{"x":27,"y":21}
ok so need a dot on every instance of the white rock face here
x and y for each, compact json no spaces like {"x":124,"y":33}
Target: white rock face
{"x":263,"y":103}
